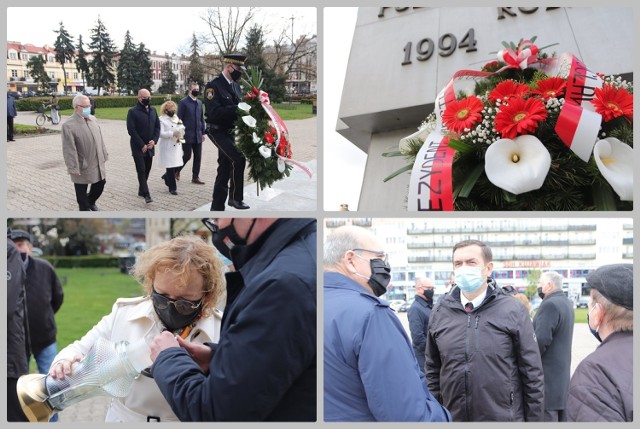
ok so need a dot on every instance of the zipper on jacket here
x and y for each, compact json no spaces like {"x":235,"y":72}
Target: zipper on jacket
{"x":476,"y":332}
{"x":466,"y":368}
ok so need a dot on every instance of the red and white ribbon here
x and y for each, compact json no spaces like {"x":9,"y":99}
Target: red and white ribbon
{"x":525,"y":55}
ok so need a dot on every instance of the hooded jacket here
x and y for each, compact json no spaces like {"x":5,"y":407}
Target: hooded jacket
{"x":485,"y":366}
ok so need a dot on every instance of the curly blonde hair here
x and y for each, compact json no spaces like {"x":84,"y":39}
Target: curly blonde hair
{"x":184,"y":256}
{"x":166,"y":105}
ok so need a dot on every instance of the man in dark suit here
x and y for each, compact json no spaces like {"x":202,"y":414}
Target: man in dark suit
{"x":11,"y":113}
{"x":221,"y":98}
{"x":143,"y":126}
{"x":190,"y":113}
{"x":553,"y":325}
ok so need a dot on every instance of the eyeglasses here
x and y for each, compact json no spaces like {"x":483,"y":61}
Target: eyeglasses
{"x":210,"y":224}
{"x":182,"y":306}
{"x":379,"y":253}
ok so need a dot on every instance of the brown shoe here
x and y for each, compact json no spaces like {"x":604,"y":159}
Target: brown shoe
{"x":178,"y":175}
{"x":197,"y":181}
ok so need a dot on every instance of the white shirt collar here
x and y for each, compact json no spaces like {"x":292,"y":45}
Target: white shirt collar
{"x":477,"y":301}
{"x":227,"y":79}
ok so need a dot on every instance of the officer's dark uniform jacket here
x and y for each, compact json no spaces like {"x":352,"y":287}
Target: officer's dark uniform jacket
{"x":601,"y":387}
{"x":143,"y":125}
{"x":221,"y":104}
{"x":264,"y":367}
{"x":44,"y":298}
{"x":485,"y":366}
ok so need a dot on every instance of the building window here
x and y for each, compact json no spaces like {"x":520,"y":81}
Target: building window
{"x":13,"y":55}
{"x":75,"y":76}
{"x":26,"y":74}
{"x":14,"y":73}
{"x":53,"y":75}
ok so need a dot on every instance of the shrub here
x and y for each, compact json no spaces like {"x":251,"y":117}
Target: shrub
{"x":89,"y":261}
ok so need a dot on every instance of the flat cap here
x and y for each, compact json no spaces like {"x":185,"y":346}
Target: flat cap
{"x":20,"y":234}
{"x":614,"y":282}
{"x":237,"y":59}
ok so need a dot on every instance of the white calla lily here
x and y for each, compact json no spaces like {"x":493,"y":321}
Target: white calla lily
{"x":244,"y":106}
{"x":419,"y":135}
{"x":256,"y":139}
{"x":249,"y":120}
{"x":281,"y":165}
{"x":264,"y":151}
{"x":615,"y":161}
{"x":519,"y":165}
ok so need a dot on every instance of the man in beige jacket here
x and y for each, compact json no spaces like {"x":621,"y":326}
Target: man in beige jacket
{"x":84,"y":153}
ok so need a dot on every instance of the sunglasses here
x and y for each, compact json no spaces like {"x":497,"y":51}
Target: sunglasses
{"x":182,"y":306}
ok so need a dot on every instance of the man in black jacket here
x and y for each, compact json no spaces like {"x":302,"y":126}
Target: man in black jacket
{"x":264,"y":367}
{"x":221,"y":98}
{"x":482,"y":359}
{"x":17,"y":364}
{"x":190,"y":113}
{"x":553,"y":324}
{"x":44,"y":296}
{"x":143,"y":125}
{"x":601,"y":388}
{"x":418,"y":316}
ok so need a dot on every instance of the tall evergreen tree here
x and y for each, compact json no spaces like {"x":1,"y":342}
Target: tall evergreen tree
{"x":143,"y":77}
{"x":65,"y":51}
{"x":81,"y":60}
{"x":168,"y":85}
{"x":104,"y":51}
{"x":128,"y":66}
{"x":35,"y":65}
{"x":274,"y":83}
{"x":196,"y":68}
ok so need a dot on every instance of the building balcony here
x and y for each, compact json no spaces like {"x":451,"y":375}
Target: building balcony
{"x":627,"y":255}
{"x":361,"y":222}
{"x":335,"y":223}
{"x":628,"y":240}
{"x":582,"y":256}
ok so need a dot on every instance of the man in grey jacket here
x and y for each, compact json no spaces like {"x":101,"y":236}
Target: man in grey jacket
{"x":84,"y":153}
{"x":482,"y":358}
{"x":553,"y":324}
{"x":601,"y":388}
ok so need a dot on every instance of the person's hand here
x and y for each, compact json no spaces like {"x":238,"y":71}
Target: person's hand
{"x":177,"y":134}
{"x":63,"y":368}
{"x":151,"y":144}
{"x":163,"y":341}
{"x":145,"y":148}
{"x":203,"y":138}
{"x":200,"y":353}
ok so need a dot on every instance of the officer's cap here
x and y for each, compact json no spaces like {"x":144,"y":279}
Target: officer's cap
{"x":614,"y":282}
{"x":20,"y":234}
{"x":237,"y":59}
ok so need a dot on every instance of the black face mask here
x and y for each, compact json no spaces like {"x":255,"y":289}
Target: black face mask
{"x":380,"y":276}
{"x":145,"y":101}
{"x":428,"y":293}
{"x":170,"y":317}
{"x":593,"y":331}
{"x":23,"y":256}
{"x":195,"y":93}
{"x":227,"y":238}
{"x":540,"y":293}
{"x":236,"y":75}
{"x":170,"y":114}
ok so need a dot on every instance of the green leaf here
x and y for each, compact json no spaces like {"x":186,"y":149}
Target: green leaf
{"x":509,"y":197}
{"x":467,"y":186}
{"x":460,"y":146}
{"x":407,"y":167}
{"x":506,"y":45}
{"x":603,"y":197}
{"x":393,"y":153}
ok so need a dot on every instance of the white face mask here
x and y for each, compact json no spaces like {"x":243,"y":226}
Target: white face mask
{"x":469,"y":279}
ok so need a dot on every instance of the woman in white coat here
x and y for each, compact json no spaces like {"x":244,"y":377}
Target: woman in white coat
{"x":183,"y":281}
{"x":170,"y":144}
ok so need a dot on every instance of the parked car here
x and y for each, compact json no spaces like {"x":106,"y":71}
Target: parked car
{"x":405,"y":307}
{"x":583,"y":302}
{"x":535,"y":304}
{"x":396,"y":303}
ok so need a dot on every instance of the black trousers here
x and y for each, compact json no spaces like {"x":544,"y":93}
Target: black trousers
{"x":85,"y":201}
{"x":14,"y":410}
{"x":143,"y":168}
{"x":9,"y":127}
{"x":230,"y":176}
{"x":187,"y":148}
{"x":170,"y":178}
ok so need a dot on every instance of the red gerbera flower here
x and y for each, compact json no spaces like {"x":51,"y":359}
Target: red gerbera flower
{"x":519,"y":117}
{"x":612,"y":103}
{"x":462,"y":114}
{"x":269,"y":137}
{"x":552,"y":87}
{"x":508,"y":89}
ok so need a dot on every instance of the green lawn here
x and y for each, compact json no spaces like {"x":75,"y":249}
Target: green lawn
{"x":581,"y":315}
{"x":89,"y":294}
{"x":288,"y":112}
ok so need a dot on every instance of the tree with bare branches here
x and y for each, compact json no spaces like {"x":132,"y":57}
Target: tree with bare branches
{"x":227,"y":25}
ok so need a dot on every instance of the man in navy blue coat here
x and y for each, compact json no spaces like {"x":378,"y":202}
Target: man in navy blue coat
{"x":264,"y":367}
{"x":190,"y":113}
{"x":143,"y":125}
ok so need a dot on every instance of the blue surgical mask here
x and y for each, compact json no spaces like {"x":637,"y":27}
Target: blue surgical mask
{"x":469,"y":279}
{"x":594,"y":332}
{"x":86,"y":112}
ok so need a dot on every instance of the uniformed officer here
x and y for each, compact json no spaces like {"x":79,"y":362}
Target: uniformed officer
{"x":221,"y":98}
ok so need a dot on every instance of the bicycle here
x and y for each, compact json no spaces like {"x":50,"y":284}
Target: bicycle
{"x":42,"y":118}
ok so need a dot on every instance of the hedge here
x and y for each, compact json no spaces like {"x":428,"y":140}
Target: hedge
{"x":89,"y":261}
{"x":32,"y":104}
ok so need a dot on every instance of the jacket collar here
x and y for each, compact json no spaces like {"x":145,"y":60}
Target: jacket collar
{"x":335,"y":280}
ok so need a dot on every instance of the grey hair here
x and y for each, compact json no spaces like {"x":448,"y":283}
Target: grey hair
{"x":76,"y":100}
{"x":337,"y":244}
{"x":554,"y":277}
